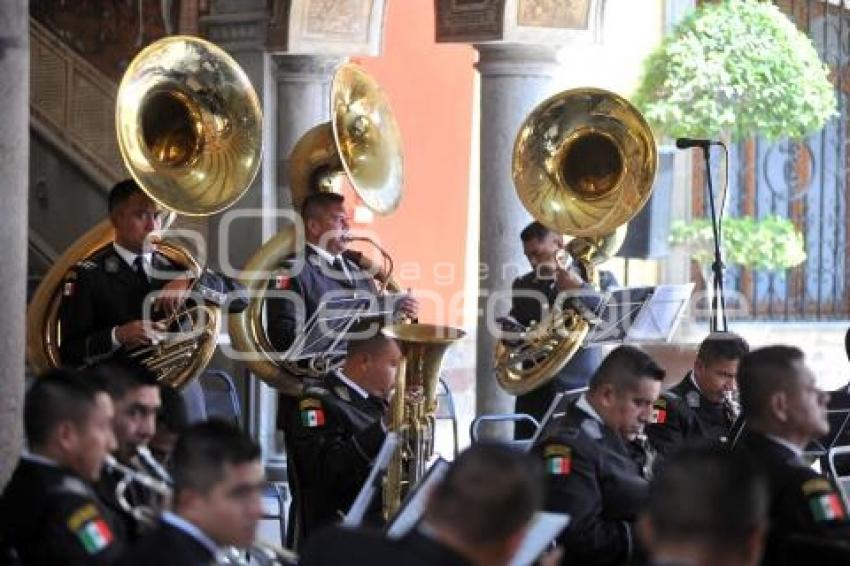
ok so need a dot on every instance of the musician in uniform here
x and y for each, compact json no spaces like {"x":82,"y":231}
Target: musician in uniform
{"x":590,"y":473}
{"x":325,"y":269}
{"x":334,"y":432}
{"x":701,"y":407}
{"x":531,"y":294}
{"x":707,"y":506}
{"x":478,"y":513}
{"x":217,"y":500}
{"x":784,"y":411}
{"x":103,"y":297}
{"x":135,"y":397}
{"x":49,"y":513}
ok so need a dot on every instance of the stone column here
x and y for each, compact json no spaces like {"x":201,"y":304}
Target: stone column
{"x":14,"y":156}
{"x":302,"y":87}
{"x":513,"y":80}
{"x":301,"y":90}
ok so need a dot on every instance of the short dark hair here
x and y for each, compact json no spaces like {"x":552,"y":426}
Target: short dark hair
{"x":706,"y":493}
{"x":624,"y":366}
{"x":317,"y":203}
{"x":534,"y":231}
{"x":763,"y":372}
{"x":488,"y":493}
{"x":57,"y":396}
{"x":719,"y":346}
{"x":121,"y":193}
{"x":204,"y":450}
{"x":119,"y":375}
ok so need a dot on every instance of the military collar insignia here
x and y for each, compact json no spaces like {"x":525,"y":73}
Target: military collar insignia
{"x":74,"y":485}
{"x":591,"y":428}
{"x":692,"y":398}
{"x":315,"y":260}
{"x":343,"y":393}
{"x":111,"y":264}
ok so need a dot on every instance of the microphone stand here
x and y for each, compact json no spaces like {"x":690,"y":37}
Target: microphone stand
{"x":718,"y":300}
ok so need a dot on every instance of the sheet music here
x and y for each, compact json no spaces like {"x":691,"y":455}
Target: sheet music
{"x":372,"y":483}
{"x":414,"y":506}
{"x":659,"y":317}
{"x":544,"y":528}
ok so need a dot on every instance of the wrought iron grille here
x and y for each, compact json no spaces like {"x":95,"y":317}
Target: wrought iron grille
{"x":804,"y":180}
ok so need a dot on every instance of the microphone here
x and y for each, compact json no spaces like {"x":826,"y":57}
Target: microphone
{"x":685,"y":143}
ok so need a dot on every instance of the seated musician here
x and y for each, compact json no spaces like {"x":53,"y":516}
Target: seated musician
{"x":537,"y":291}
{"x":49,"y":513}
{"x":700,"y":407}
{"x":217,"y":500}
{"x":591,"y":475}
{"x":477,"y":514}
{"x":327,"y":271}
{"x":707,"y":506}
{"x":334,"y":431}
{"x":784,"y":411}
{"x":135,"y":397}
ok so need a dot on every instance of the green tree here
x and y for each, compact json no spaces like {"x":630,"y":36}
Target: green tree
{"x":733,"y":69}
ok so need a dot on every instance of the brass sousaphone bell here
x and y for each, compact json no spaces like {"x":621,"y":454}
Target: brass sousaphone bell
{"x":584,"y":163}
{"x":189,"y":129}
{"x":362,"y":142}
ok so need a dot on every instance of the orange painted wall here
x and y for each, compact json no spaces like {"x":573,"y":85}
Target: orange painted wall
{"x":430,"y":88}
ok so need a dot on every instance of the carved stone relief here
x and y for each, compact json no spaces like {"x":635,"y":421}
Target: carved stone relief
{"x":564,"y":14}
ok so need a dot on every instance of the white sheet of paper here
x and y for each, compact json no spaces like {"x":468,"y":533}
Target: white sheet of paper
{"x":412,"y":510}
{"x":542,"y":531}
{"x":660,"y":316}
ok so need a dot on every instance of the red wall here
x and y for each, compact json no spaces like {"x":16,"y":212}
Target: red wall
{"x":430,"y":88}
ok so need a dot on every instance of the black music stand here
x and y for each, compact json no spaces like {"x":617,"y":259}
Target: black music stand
{"x":325,"y":333}
{"x":641,"y":314}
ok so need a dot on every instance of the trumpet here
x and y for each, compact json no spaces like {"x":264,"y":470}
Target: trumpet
{"x":144,"y":514}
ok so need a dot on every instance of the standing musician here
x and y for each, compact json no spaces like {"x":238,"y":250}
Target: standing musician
{"x":217,"y":501}
{"x":477,"y":514}
{"x":701,"y":406}
{"x":590,"y":473}
{"x":538,"y":289}
{"x":103,"y":297}
{"x":326,"y":271}
{"x":49,"y":513}
{"x":784,"y":411}
{"x":335,"y":430}
{"x":135,"y":397}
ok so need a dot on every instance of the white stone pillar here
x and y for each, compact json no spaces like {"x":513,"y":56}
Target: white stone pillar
{"x":14,"y":156}
{"x":300,"y":87}
{"x":513,"y":80}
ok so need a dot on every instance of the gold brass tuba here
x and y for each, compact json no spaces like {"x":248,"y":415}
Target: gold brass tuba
{"x":583,"y":165}
{"x":361,"y":141}
{"x":189,"y":129}
{"x":413,"y":404}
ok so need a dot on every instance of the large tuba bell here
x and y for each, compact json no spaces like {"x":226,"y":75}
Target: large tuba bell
{"x":189,"y":130}
{"x":362,"y":142}
{"x":583,"y":165}
{"x":413,"y":404}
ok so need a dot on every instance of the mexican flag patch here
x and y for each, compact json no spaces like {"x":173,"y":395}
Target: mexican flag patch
{"x":558,"y":460}
{"x":281,"y":282}
{"x":95,"y":536}
{"x":312,"y":417}
{"x":659,"y":412}
{"x":827,"y":507}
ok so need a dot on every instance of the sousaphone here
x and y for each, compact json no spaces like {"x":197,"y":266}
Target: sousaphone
{"x":189,"y":129}
{"x":584,"y":162}
{"x":361,"y":142}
